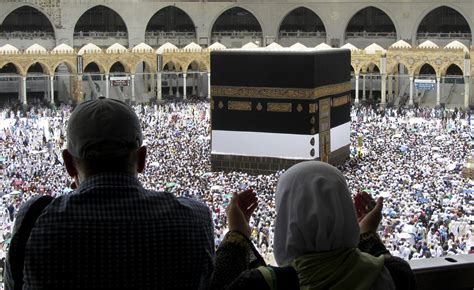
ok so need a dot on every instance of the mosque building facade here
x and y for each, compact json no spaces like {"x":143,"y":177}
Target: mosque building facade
{"x":427,"y":25}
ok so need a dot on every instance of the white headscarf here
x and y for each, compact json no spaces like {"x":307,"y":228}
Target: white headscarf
{"x":315,"y":212}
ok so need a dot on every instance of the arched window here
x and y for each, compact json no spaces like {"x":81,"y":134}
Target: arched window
{"x":370,"y":25}
{"x":170,"y":24}
{"x":101,"y":26}
{"x":301,"y":25}
{"x":236,"y":27}
{"x":27,"y":19}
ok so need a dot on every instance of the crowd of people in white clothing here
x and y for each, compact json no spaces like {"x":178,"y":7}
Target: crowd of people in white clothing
{"x":412,"y":157}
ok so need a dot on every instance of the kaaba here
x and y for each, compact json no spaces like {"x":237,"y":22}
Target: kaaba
{"x":270,"y":110}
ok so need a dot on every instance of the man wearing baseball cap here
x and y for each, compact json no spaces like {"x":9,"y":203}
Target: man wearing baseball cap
{"x":111,"y":233}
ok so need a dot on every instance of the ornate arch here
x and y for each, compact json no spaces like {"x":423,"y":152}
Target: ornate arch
{"x":204,"y":66}
{"x":432,"y":8}
{"x":114,"y":60}
{"x":19,"y":68}
{"x":96,"y":5}
{"x":71,"y":66}
{"x":444,"y":68}
{"x":175,"y":64}
{"x":293,"y":9}
{"x":420,"y":64}
{"x":97,"y":62}
{"x":46,"y":68}
{"x":378,"y":6}
{"x":392,"y":66}
{"x":230,"y":7}
{"x":178,"y":8}
{"x":135,"y":63}
{"x":368,"y":64}
{"x":34,"y":6}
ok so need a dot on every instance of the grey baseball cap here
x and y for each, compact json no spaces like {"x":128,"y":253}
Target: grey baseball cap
{"x":103,"y":128}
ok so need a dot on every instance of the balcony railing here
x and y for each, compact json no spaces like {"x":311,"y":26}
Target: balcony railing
{"x":299,"y":33}
{"x":237,"y":34}
{"x":458,"y":35}
{"x":26,"y":34}
{"x":100,"y":34}
{"x":366,"y":34}
{"x":170,"y":34}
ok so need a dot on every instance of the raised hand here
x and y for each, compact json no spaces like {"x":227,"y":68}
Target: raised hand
{"x":240,"y":209}
{"x":371,"y":220}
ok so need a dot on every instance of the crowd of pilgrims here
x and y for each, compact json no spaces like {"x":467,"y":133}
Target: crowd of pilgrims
{"x":412,"y":157}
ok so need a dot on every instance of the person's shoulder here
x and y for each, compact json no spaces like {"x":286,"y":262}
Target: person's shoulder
{"x":401,"y":272}
{"x":196,"y":206}
{"x":39,"y":201}
{"x":192,"y":206}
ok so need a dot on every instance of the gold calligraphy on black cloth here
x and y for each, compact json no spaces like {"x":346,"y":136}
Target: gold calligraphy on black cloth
{"x":280,"y":93}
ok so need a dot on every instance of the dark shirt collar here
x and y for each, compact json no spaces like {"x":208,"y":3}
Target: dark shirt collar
{"x":115,"y":179}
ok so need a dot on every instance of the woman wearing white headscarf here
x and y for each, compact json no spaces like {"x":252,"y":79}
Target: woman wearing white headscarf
{"x":317,"y":239}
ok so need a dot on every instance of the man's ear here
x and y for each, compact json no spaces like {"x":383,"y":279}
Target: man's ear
{"x":141,"y":159}
{"x":69,"y":163}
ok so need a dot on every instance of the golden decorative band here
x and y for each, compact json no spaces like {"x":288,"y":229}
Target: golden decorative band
{"x":279,"y":107}
{"x":313,"y":108}
{"x":280,"y":93}
{"x":339,"y":101}
{"x":239,"y":106}
{"x":324,"y":108}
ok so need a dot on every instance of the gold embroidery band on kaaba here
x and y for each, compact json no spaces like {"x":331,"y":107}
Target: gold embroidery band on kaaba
{"x":339,"y":101}
{"x":239,"y":106}
{"x":279,"y":107}
{"x":280,"y":93}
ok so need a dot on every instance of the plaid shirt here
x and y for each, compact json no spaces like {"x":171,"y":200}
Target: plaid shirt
{"x":111,"y":233}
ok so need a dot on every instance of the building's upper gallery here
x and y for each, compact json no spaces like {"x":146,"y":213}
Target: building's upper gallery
{"x":234,"y":23}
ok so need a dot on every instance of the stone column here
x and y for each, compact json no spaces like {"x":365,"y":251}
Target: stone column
{"x":133,"y":88}
{"x":208,"y":85}
{"x":177,"y":86}
{"x":51,"y":86}
{"x":195,"y":77}
{"x":46,"y":88}
{"x":438,"y":91}
{"x":410,"y":102}
{"x":158,"y":86}
{"x":383,"y":80}
{"x":184,"y":86}
{"x":78,"y":97}
{"x":467,"y":80}
{"x":23,"y":90}
{"x":356,"y":89}
{"x":199,"y":85}
{"x":364,"y":97}
{"x":107,"y":86}
{"x":371,"y":86}
{"x":383,"y":89}
{"x":390,"y":88}
{"x":20,"y":89}
{"x":397,"y":85}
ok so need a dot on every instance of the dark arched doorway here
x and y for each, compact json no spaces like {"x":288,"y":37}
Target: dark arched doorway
{"x":370,"y":25}
{"x":443,"y":25}
{"x":236,"y":27}
{"x":301,"y":25}
{"x":25,"y":26}
{"x":170,"y":24}
{"x":102,"y":26}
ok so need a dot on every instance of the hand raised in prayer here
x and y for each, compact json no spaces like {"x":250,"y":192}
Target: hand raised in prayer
{"x":364,"y":203}
{"x":239,"y":211}
{"x":370,"y":220}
